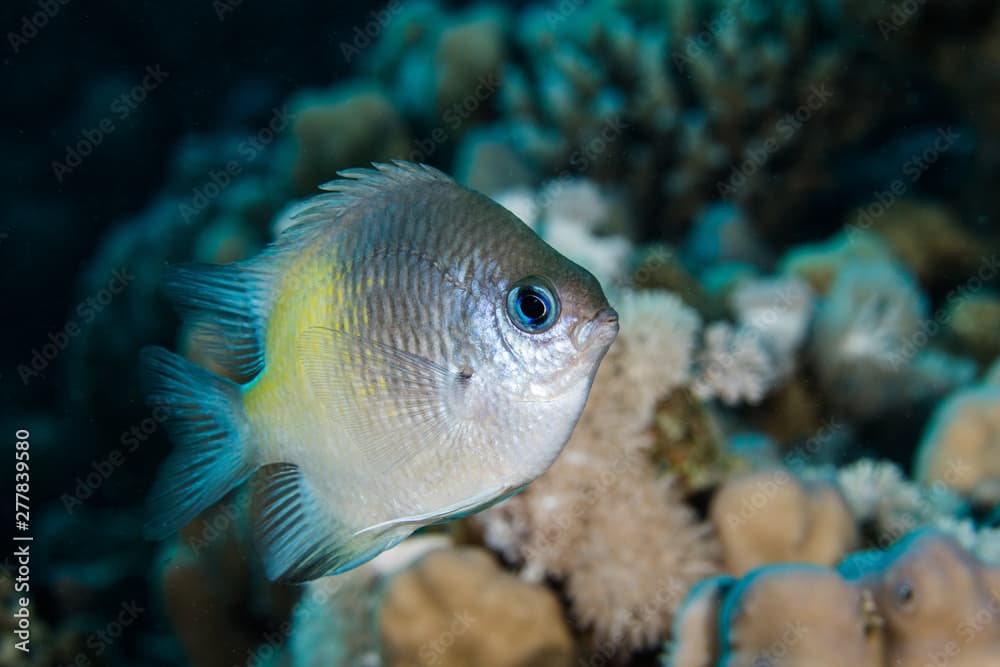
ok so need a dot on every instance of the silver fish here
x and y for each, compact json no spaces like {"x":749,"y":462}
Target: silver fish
{"x":413,"y":352}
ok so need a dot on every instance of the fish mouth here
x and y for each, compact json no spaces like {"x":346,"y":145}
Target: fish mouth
{"x":598,"y":332}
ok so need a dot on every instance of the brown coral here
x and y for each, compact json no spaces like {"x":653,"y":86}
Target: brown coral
{"x":940,"y":604}
{"x":961,"y":448}
{"x":796,"y":616}
{"x":455,"y":608}
{"x":602,"y":518}
{"x":927,"y":601}
{"x":770,"y":516}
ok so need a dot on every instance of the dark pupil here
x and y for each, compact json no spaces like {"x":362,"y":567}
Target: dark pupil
{"x":532,"y":306}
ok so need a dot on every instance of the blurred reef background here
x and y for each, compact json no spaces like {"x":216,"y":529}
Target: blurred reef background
{"x":791,"y":455}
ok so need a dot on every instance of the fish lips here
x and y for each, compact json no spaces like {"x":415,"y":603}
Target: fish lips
{"x":597,"y":333}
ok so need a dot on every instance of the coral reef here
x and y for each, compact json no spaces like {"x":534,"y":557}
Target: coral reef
{"x":792,"y":206}
{"x":936,"y":601}
{"x":868,"y":346}
{"x":926,"y":599}
{"x":456,"y":607}
{"x":961,"y":448}
{"x":927,"y":237}
{"x":772,"y":517}
{"x":973,"y":323}
{"x":341,"y":128}
{"x":602,"y":519}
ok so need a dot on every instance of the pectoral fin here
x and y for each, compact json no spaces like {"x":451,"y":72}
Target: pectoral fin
{"x":390,"y":404}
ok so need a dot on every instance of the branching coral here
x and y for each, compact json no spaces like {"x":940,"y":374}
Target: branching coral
{"x":742,"y":364}
{"x":600,"y":518}
{"x":734,"y":365}
{"x":882,"y":498}
{"x":871,"y":315}
{"x":780,"y":309}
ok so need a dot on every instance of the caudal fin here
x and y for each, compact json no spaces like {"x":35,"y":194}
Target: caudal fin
{"x":209,"y":428}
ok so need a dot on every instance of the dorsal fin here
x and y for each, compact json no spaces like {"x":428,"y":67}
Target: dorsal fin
{"x":228,"y":304}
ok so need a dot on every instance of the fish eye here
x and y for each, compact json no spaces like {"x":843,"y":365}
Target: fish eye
{"x":532,"y":304}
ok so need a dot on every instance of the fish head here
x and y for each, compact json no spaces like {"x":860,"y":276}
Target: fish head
{"x":555,"y":325}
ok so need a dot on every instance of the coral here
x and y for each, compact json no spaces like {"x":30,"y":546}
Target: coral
{"x":882,"y":498}
{"x":456,"y":607}
{"x":706,"y":116}
{"x":658,"y":267}
{"x":818,"y":264}
{"x":721,"y":234}
{"x":993,"y":374}
{"x":973,"y":323}
{"x":981,"y":541}
{"x":961,"y":447}
{"x":790,"y":413}
{"x":469,"y":54}
{"x":522,"y":202}
{"x":335,"y":621}
{"x":927,"y":237}
{"x":925,"y":601}
{"x":780,"y":309}
{"x":935,"y":599}
{"x":770,"y":516}
{"x":864,"y":328}
{"x":350,"y":124}
{"x":212,"y":585}
{"x":688,"y":443}
{"x":670,"y":551}
{"x":743,"y":363}
{"x":695,"y":632}
{"x":601,"y":518}
{"x":735,"y":365}
{"x":658,"y":341}
{"x":485,"y":161}
{"x":573,"y":213}
{"x":766,"y":619}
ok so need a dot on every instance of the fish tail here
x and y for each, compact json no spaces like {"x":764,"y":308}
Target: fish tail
{"x":206,"y":420}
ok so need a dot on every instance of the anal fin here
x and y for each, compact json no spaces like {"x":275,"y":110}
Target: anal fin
{"x":302,"y":540}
